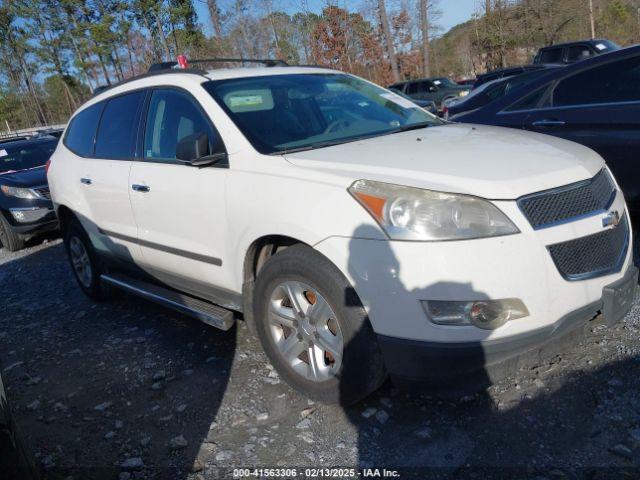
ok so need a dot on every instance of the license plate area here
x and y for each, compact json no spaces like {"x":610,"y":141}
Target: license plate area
{"x":618,"y":297}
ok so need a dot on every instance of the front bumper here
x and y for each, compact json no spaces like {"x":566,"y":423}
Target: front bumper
{"x":31,"y":220}
{"x":470,"y":366}
{"x":393,"y":278}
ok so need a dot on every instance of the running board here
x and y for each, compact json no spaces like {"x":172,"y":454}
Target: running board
{"x":194,"y":307}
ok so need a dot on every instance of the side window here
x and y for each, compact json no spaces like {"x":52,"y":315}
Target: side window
{"x":118,"y":128}
{"x":552,"y":55}
{"x":529,"y":102}
{"x":172,"y":116}
{"x":613,"y":82}
{"x":81,"y":132}
{"x":578,"y":52}
{"x":426,"y":86}
{"x":413,"y":88}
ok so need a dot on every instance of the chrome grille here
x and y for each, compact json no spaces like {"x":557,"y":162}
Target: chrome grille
{"x":43,"y":192}
{"x":570,"y":202}
{"x":594,"y":255}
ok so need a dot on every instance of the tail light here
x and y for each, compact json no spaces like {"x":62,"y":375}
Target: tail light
{"x":46,"y":166}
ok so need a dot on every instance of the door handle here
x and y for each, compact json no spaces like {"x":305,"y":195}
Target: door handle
{"x":549,"y":123}
{"x":86,"y":181}
{"x":140,"y":188}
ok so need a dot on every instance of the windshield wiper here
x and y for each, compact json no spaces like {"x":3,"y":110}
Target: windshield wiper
{"x":413,"y":126}
{"x":326,"y":143}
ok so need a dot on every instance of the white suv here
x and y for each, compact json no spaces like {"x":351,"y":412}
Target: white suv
{"x":359,"y":235}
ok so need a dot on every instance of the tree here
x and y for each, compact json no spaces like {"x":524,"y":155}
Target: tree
{"x":215,"y":16}
{"x":384,"y":23}
{"x":424,"y":31}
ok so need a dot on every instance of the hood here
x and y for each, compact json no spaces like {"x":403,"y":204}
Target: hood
{"x":491,"y":162}
{"x":33,"y":177}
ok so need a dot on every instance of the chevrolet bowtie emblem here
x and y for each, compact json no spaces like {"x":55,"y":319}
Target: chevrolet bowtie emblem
{"x":611,"y":220}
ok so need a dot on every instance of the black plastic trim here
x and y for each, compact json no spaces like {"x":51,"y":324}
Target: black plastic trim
{"x":164,"y":248}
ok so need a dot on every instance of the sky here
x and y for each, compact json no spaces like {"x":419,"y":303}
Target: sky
{"x":453,"y":11}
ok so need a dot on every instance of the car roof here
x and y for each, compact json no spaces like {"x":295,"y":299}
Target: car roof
{"x":579,"y":42}
{"x":247,"y":72}
{"x":158,"y":77}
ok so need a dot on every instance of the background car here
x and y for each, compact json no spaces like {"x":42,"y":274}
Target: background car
{"x":25,"y":202}
{"x":467,"y":82}
{"x":505,"y":73}
{"x":428,"y":105}
{"x":436,"y":89}
{"x":491,"y":91}
{"x":574,"y":51}
{"x":595,"y":102}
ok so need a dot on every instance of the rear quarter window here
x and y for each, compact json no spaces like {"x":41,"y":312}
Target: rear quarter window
{"x":82,"y":129}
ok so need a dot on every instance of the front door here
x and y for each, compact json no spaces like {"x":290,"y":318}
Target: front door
{"x":179,"y":208}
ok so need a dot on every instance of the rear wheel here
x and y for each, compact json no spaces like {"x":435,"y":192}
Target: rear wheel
{"x":10,"y":239}
{"x":85,"y":263}
{"x":314,"y":329}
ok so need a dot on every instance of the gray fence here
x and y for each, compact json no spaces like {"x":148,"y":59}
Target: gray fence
{"x":29,"y":132}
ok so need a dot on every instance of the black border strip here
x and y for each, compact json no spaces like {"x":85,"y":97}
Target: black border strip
{"x":164,"y":248}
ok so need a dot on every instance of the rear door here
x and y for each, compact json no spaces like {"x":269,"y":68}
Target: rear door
{"x":105,"y":177}
{"x":600,"y":108}
{"x":179,"y":208}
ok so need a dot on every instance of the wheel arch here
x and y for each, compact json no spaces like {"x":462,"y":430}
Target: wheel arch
{"x":258,"y":252}
{"x":65,"y":214}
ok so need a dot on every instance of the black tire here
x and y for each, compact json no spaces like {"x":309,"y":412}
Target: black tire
{"x":362,"y":368}
{"x":94,"y":288}
{"x":10,"y":239}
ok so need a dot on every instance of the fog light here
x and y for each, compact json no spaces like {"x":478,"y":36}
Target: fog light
{"x":485,"y":314}
{"x":28,"y":215}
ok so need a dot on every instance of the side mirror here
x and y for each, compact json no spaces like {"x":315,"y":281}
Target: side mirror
{"x":194,"y":151}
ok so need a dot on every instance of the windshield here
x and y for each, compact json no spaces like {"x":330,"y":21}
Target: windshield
{"x":444,"y":81}
{"x":14,"y":158}
{"x":281,"y":113}
{"x":495,"y":89}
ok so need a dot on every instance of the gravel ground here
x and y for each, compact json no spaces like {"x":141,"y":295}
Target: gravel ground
{"x":126,"y":389}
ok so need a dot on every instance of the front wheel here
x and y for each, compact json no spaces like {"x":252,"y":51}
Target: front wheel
{"x":10,"y":239}
{"x":314,"y":329}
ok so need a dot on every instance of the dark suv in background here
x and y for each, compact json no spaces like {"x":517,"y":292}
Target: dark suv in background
{"x":25,"y":203}
{"x":435,"y":89}
{"x":595,"y":102}
{"x":574,"y":51}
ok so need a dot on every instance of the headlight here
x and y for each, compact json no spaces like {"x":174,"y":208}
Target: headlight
{"x":463,"y":93}
{"x":407,"y":213}
{"x":18,"y":192}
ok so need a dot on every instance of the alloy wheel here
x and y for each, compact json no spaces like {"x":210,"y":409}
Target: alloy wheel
{"x":80,"y":261}
{"x":305,"y":331}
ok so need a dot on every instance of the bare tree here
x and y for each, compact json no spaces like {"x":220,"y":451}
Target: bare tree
{"x":384,"y":22}
{"x":214,"y":13}
{"x":424,"y":29}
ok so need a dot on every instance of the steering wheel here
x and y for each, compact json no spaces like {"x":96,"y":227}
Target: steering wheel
{"x":337,"y":125}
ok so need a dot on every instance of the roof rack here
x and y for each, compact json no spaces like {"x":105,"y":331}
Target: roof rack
{"x":267,"y":62}
{"x":168,"y":67}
